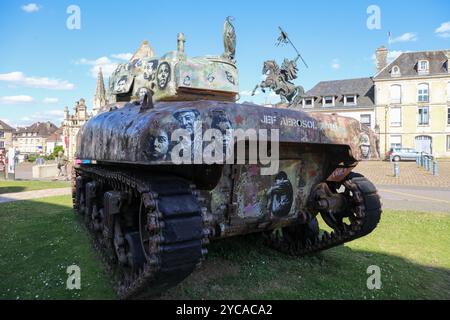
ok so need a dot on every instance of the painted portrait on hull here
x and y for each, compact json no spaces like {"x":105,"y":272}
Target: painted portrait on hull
{"x":163,"y":75}
{"x":159,"y":145}
{"x":280,"y":195}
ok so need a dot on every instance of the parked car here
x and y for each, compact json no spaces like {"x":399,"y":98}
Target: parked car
{"x":399,"y":154}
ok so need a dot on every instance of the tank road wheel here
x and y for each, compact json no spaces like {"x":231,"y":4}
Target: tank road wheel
{"x":352,"y":209}
{"x":152,"y":229}
{"x":305,"y":234}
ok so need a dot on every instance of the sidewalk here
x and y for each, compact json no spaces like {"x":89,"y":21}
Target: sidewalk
{"x":382,"y":173}
{"x":27,"y":195}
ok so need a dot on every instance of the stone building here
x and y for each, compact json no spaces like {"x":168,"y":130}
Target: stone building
{"x":33,"y":139}
{"x":72,"y":124}
{"x":6,"y":135}
{"x":412,"y":98}
{"x":351,"y":98}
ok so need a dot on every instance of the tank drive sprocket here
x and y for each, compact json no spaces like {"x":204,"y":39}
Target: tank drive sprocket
{"x":361,"y":207}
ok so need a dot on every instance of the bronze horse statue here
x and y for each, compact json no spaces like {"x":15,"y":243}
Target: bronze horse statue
{"x":278,"y":80}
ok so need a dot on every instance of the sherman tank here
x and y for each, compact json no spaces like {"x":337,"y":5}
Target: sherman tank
{"x":173,"y":162}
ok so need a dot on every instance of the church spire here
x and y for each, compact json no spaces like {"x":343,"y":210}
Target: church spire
{"x":100,"y":93}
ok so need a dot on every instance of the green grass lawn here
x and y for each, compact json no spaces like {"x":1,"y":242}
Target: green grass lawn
{"x":8,"y":186}
{"x":41,"y":238}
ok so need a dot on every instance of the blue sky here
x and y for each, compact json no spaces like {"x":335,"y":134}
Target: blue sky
{"x":44,"y":66}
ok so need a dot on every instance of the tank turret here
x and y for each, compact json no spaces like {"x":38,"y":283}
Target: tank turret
{"x":176,"y":77}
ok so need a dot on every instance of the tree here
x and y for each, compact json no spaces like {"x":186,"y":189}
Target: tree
{"x":56,"y":150}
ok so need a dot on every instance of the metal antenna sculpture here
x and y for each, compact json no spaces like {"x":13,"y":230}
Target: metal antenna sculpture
{"x":278,"y":78}
{"x":283,"y":38}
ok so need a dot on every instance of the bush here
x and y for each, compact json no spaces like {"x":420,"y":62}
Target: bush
{"x":56,"y":150}
{"x":32,"y":158}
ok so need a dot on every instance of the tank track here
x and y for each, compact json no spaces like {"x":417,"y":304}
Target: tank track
{"x":176,"y":229}
{"x":302,"y":240}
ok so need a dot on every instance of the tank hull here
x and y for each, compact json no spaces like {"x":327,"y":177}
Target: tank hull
{"x":124,"y":132}
{"x":153,"y":217}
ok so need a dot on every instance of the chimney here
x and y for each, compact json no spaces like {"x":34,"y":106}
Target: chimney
{"x":381,"y":58}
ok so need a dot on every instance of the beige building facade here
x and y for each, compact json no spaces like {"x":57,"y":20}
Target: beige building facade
{"x":412,"y":96}
{"x":6,"y":135}
{"x":33,"y":139}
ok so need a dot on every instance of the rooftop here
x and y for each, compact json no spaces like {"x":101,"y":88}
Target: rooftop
{"x":408,"y":63}
{"x":363,"y":88}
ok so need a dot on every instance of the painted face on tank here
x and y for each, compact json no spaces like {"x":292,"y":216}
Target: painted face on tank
{"x":221,"y":122}
{"x":160,"y":145}
{"x":141,"y":93}
{"x":364,"y":146}
{"x":280,"y":195}
{"x":186,"y":119}
{"x":149,"y":69}
{"x":163,"y":75}
{"x":121,"y":84}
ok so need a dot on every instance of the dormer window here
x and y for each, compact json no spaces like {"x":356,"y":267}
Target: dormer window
{"x":328,"y":101}
{"x":423,"y":66}
{"x":395,"y":71}
{"x":350,"y":99}
{"x":308,"y":102}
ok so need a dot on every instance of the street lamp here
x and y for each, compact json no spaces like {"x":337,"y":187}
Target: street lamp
{"x":386,"y":109}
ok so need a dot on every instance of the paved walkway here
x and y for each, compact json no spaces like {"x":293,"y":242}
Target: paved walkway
{"x":27,"y":195}
{"x":382,"y":173}
{"x":425,"y":199}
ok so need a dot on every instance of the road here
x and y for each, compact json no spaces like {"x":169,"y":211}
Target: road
{"x":428,"y":199}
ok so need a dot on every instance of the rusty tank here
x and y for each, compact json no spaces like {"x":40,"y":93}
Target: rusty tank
{"x":173,"y":162}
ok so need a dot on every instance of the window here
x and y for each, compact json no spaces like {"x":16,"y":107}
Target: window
{"x":307,"y":103}
{"x":395,"y":115}
{"x":448,"y":116}
{"x":2,"y":134}
{"x":2,"y":144}
{"x":365,"y":119}
{"x":396,"y":93}
{"x":423,"y":65}
{"x":396,"y":141}
{"x":423,"y":116}
{"x":448,"y":143}
{"x":328,"y":101}
{"x":395,"y":71}
{"x":350,"y":99}
{"x":422,"y":92}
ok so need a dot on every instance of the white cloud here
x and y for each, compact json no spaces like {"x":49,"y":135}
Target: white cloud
{"x":394,"y":54}
{"x":16,"y":99}
{"x":31,"y":7}
{"x":406,"y":37}
{"x":55,"y":116}
{"x":122,"y":56}
{"x":272,"y":94}
{"x":444,"y":30}
{"x":105,"y":63}
{"x":335,"y":64}
{"x":50,"y":100}
{"x":248,"y":93}
{"x":19,"y":78}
